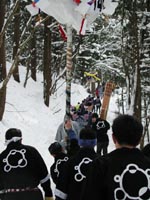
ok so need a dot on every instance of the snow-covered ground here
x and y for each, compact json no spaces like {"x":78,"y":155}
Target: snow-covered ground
{"x":25,"y":110}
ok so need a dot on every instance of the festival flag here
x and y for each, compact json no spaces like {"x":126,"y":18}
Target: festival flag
{"x":79,"y":14}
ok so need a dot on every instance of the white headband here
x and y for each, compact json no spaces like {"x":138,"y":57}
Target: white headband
{"x":13,"y":139}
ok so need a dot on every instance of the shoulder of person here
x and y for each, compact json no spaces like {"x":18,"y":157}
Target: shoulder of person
{"x":30,"y":148}
{"x":147,"y":146}
{"x":52,"y":167}
{"x":27,"y":146}
{"x":75,"y":124}
{"x":100,"y":120}
{"x":105,"y":121}
{"x":146,"y":150}
{"x":102,"y":163}
{"x":61,"y":125}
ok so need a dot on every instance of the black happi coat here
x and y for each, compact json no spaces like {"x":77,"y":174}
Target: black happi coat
{"x":101,"y":127}
{"x":146,"y":150}
{"x":22,"y":167}
{"x":57,"y":167}
{"x":121,"y":174}
{"x":74,"y":175}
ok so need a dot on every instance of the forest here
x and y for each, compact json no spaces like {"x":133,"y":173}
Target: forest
{"x":116,"y":48}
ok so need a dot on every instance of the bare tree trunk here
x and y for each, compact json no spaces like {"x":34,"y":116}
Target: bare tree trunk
{"x":33,"y":57}
{"x":126,"y":70}
{"x":20,"y":49}
{"x":16,"y":41}
{"x":137,"y":50}
{"x":131,"y":59}
{"x":27,"y":73}
{"x":2,"y":61}
{"x":3,"y":29}
{"x":2,"y":102}
{"x":135,"y":106}
{"x":47,"y":62}
{"x":31,"y":60}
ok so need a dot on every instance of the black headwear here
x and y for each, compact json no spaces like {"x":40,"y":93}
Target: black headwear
{"x":12,"y":132}
{"x":87,"y":137}
{"x":55,"y":148}
{"x":13,"y":135}
{"x":95,"y":115}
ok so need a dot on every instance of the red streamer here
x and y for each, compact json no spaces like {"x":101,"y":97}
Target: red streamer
{"x":77,"y":1}
{"x":62,"y":32}
{"x":82,"y":23}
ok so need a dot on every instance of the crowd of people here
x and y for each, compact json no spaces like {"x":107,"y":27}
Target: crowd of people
{"x":84,"y":115}
{"x":82,"y":168}
{"x":124,"y":172}
{"x":120,"y":174}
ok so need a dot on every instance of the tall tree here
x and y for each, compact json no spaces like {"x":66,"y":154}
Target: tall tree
{"x":33,"y":57}
{"x":16,"y":40}
{"x":31,"y":60}
{"x":47,"y":62}
{"x":135,"y":106}
{"x":2,"y":59}
{"x":131,"y":55}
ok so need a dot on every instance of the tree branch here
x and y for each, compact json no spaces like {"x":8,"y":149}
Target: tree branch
{"x":2,"y":33}
{"x":20,"y":49}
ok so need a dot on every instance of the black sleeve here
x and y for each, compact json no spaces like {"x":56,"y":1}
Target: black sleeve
{"x":40,"y":171}
{"x":53,"y":174}
{"x":61,"y":191}
{"x":107,"y":125}
{"x":47,"y":189}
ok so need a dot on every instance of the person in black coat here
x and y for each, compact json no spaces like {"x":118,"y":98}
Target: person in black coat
{"x":22,"y":169}
{"x":75,"y":170}
{"x":73,"y":148}
{"x":125,"y":172}
{"x":57,"y":151}
{"x":97,"y":103}
{"x":101,"y":127}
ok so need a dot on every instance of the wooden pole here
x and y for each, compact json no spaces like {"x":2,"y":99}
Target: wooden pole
{"x":106,"y":99}
{"x":68,"y":69}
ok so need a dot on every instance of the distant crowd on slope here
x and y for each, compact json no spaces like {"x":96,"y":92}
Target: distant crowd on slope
{"x":84,"y":115}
